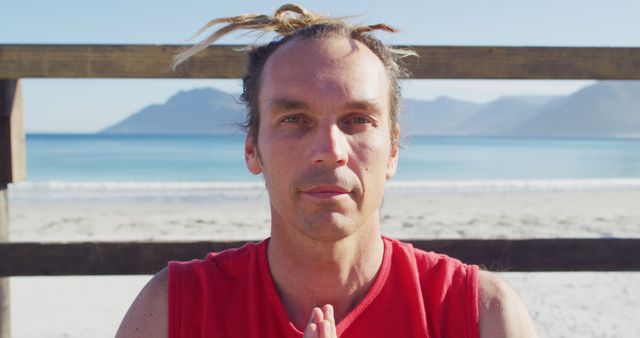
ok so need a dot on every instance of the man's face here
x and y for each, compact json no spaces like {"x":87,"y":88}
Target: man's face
{"x":324,"y":144}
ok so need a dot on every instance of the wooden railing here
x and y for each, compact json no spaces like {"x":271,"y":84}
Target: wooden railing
{"x":117,"y":258}
{"x":146,"y":61}
{"x":224,"y":62}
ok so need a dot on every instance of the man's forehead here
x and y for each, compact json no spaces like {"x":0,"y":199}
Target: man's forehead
{"x":341,"y":46}
{"x":326,"y":61}
{"x":320,"y":54}
{"x":324,"y":74}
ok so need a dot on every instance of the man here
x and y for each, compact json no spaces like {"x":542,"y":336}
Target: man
{"x":322,"y":130}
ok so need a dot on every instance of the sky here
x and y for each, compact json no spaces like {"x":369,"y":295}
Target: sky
{"x":88,"y":105}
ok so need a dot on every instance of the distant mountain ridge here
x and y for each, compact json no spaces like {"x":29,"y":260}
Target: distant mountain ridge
{"x":199,"y":111}
{"x":604,"y":109}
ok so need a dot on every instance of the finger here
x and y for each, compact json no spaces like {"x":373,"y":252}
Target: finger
{"x":316,"y":316}
{"x":311,"y":331}
{"x":328,"y":315}
{"x":327,"y":312}
{"x":324,"y":329}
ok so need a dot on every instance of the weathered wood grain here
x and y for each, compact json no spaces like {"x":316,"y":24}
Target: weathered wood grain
{"x":116,"y":61}
{"x":5,"y":293}
{"x":558,"y":63}
{"x":130,"y":258}
{"x":12,"y":136}
{"x":12,"y":169}
{"x":224,"y":61}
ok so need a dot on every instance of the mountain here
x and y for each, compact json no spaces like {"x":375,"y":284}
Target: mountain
{"x":604,"y":109}
{"x":198,"y":111}
{"x":497,"y":118}
{"x":436,"y":117}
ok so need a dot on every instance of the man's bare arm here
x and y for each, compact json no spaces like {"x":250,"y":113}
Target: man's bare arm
{"x":147,"y":316}
{"x":502,"y":314}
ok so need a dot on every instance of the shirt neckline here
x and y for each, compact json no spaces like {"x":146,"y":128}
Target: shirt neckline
{"x":372,"y":293}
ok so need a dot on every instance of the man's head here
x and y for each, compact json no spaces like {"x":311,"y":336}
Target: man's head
{"x":324,"y":137}
{"x":322,"y":124}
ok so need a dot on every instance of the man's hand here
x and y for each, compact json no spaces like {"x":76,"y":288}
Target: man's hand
{"x":321,"y":323}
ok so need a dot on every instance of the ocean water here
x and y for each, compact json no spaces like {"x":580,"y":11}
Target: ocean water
{"x":192,"y":161}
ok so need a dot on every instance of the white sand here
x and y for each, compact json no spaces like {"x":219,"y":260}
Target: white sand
{"x":562,"y":304}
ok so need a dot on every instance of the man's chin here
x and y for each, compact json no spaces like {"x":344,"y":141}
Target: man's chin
{"x":329,"y":227}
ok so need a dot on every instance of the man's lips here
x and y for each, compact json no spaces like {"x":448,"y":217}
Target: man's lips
{"x":326,"y":191}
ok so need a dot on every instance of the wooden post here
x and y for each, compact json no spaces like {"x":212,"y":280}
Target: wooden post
{"x":12,"y":169}
{"x":12,"y":138}
{"x":5,"y":314}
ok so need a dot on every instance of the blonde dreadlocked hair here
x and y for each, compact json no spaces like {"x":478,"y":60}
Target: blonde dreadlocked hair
{"x":292,"y":21}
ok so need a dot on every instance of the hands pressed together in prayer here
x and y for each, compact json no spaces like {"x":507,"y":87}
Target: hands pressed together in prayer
{"x":321,"y":323}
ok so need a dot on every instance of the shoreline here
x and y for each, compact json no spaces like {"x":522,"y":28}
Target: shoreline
{"x":220,"y":214}
{"x":538,"y":184}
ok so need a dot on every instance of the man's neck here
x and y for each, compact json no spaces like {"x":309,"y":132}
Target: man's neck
{"x":309,"y":273}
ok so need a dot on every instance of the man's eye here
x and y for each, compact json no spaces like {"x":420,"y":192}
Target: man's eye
{"x":359,"y":119}
{"x":292,"y":119}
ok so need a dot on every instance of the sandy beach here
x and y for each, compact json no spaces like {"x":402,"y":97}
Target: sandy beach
{"x":562,"y":304}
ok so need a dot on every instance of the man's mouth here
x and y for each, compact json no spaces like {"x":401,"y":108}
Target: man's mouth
{"x":326,"y":192}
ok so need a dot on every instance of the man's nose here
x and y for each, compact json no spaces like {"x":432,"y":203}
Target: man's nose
{"x":330,"y":146}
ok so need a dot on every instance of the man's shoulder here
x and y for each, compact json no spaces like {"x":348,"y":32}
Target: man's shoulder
{"x":147,"y":316}
{"x":502,"y":313}
{"x":149,"y":313}
{"x":428,"y":260}
{"x":247,"y":250}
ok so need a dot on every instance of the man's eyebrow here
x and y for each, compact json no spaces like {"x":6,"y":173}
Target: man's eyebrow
{"x":284,"y":104}
{"x":363,"y":105}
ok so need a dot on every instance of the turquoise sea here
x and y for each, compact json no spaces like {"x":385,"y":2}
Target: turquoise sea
{"x":115,"y":158}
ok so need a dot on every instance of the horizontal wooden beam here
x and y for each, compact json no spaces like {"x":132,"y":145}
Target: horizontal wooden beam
{"x":131,"y":258}
{"x":558,"y":63}
{"x":224,"y":62}
{"x":116,"y":61}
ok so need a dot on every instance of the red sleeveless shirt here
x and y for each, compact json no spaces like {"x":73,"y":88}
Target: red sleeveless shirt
{"x":414,"y":294}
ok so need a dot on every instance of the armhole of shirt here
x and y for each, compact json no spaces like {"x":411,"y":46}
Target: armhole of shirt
{"x":473,"y":302}
{"x":174,"y":300}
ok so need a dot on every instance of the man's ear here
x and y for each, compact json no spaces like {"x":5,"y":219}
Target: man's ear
{"x":393,"y":156}
{"x":252,"y":156}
